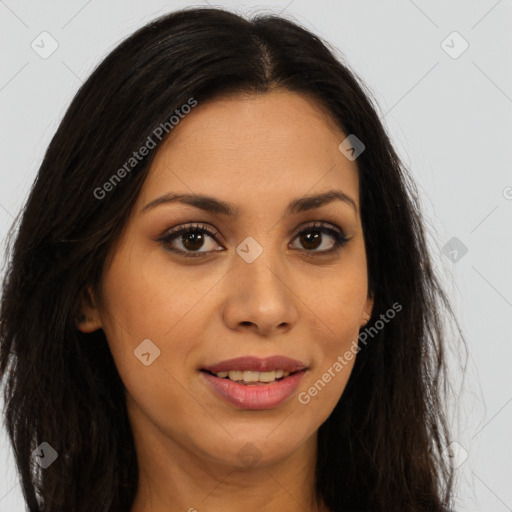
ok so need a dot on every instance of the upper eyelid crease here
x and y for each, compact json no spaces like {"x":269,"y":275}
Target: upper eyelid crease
{"x":215,"y":206}
{"x":211,"y":231}
{"x":326,"y":227}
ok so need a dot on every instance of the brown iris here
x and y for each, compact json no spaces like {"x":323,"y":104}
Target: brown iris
{"x":193,"y":240}
{"x":311,"y":239}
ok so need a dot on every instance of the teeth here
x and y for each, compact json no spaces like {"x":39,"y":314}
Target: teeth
{"x":267,"y":376}
{"x":251,"y":376}
{"x":235,"y":375}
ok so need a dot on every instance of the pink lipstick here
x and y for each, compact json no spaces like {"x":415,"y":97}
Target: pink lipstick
{"x":252,"y":383}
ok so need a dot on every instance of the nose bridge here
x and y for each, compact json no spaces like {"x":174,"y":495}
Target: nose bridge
{"x":258,"y":268}
{"x":258,"y":292}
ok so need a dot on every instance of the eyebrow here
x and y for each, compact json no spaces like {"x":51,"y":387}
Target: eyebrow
{"x":213,"y":205}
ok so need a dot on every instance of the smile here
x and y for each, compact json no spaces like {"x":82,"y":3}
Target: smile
{"x":254,"y":395}
{"x":250,"y":377}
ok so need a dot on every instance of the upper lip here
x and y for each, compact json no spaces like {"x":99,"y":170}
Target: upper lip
{"x":256,"y":364}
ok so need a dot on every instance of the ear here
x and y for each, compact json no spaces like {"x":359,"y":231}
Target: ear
{"x":367,"y":311}
{"x":89,"y":320}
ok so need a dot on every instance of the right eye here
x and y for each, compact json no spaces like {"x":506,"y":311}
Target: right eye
{"x":191,"y":238}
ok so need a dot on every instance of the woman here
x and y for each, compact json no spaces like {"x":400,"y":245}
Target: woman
{"x":220,"y":296}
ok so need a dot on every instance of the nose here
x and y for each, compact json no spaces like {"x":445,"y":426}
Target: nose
{"x":259,"y":297}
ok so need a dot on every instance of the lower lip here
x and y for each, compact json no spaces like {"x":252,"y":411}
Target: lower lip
{"x":255,"y":397}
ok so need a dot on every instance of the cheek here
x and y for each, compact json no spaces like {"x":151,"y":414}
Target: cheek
{"x":145,"y":301}
{"x":337,"y":306}
{"x":335,"y":314}
{"x":335,"y":353}
{"x":142,"y":302}
{"x":147,"y":298}
{"x":322,"y":390}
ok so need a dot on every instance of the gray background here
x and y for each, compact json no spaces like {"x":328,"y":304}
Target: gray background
{"x":450,"y":118}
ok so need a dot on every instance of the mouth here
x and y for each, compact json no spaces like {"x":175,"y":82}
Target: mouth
{"x":252,"y":378}
{"x":253,"y":390}
{"x":256,"y":364}
{"x":255,"y":384}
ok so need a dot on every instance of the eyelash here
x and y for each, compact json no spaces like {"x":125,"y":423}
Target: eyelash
{"x":339,"y":238}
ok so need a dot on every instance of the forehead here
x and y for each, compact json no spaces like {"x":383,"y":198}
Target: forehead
{"x":272,"y":146}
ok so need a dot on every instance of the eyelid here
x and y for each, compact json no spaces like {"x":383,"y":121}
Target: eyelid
{"x":332,"y":230}
{"x":173,"y":233}
{"x":320,"y":224}
{"x":190,"y":226}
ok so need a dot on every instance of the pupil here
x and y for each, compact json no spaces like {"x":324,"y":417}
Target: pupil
{"x":308,"y":238}
{"x":196,"y":239}
{"x":193,"y":240}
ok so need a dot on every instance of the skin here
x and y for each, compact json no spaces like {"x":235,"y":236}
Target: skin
{"x":258,"y":152}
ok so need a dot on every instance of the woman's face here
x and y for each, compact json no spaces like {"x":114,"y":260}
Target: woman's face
{"x":256,"y":287}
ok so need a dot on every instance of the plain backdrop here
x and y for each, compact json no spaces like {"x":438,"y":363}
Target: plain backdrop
{"x":441,"y":75}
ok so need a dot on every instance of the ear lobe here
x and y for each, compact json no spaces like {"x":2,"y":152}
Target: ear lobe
{"x":365,"y":319}
{"x":367,"y":313}
{"x":89,"y":319}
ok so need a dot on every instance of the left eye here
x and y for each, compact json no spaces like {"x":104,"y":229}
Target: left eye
{"x":312,"y":236}
{"x":192,"y":238}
